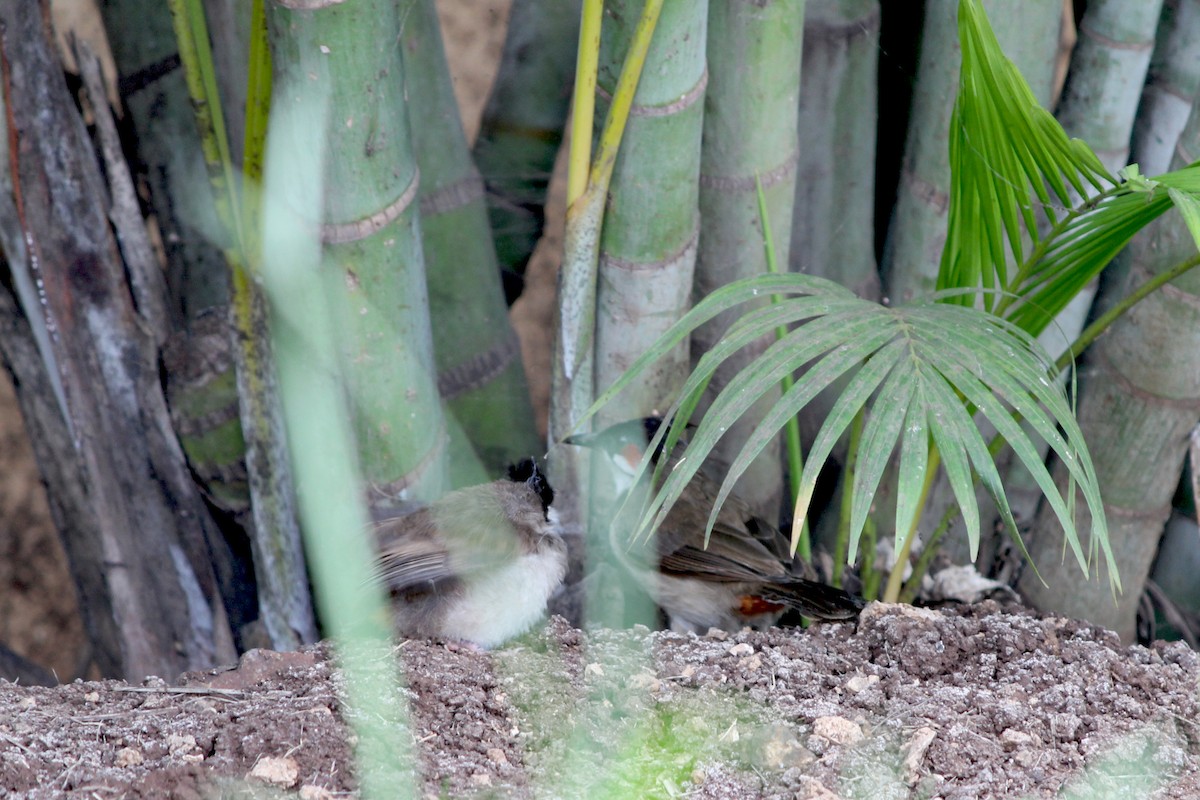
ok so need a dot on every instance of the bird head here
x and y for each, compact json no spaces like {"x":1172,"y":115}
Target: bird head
{"x":526,"y":471}
{"x":624,"y":443}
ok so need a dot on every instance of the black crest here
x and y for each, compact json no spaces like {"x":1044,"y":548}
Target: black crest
{"x":527,"y":472}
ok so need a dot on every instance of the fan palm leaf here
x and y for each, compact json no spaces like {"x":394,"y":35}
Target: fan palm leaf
{"x":919,"y":370}
{"x":1017,"y":180}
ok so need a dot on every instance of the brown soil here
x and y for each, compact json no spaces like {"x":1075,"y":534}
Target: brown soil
{"x":964,"y":703}
{"x":970,"y":702}
{"x":39,"y":612}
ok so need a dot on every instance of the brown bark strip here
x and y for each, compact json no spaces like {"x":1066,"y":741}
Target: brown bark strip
{"x":136,"y":530}
{"x":149,"y":282}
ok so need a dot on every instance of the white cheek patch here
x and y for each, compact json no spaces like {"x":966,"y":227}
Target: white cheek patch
{"x":508,"y":601}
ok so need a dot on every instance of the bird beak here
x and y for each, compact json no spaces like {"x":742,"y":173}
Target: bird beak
{"x":582,"y":439}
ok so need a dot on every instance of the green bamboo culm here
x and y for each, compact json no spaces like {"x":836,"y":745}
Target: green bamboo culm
{"x":754,"y":60}
{"x":522,"y":128}
{"x":651,"y":224}
{"x":373,"y":264}
{"x":648,"y":243}
{"x":478,"y":357}
{"x":284,"y":603}
{"x":588,"y":178}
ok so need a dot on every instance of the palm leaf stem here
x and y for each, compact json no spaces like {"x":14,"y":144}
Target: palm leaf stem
{"x":911,"y":586}
{"x":1040,"y":248}
{"x":794,"y":452}
{"x":1101,"y":324}
{"x":842,"y":542}
{"x":896,"y":577}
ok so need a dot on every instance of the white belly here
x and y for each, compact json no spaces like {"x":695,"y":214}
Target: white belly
{"x":506,"y":602}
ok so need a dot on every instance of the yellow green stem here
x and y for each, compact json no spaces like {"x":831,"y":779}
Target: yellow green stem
{"x":791,"y":430}
{"x":627,"y":83}
{"x":896,"y":578}
{"x":584,"y":100}
{"x":191,"y":32}
{"x":841,"y":556}
{"x":1093,"y":331}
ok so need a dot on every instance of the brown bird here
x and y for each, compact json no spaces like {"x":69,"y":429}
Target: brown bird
{"x":478,"y":564}
{"x":746,"y":574}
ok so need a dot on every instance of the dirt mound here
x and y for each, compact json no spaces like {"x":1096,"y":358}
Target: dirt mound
{"x":960,"y":703}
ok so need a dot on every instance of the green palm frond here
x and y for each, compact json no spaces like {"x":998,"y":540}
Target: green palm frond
{"x":1021,"y":188}
{"x":919,"y":371}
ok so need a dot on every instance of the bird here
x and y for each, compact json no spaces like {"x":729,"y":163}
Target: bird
{"x":478,"y":564}
{"x":744,"y":576}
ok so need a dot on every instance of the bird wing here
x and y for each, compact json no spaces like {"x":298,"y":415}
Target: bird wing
{"x":740,"y":547}
{"x":461,"y":536}
{"x":409,"y":553}
{"x":731,"y":554}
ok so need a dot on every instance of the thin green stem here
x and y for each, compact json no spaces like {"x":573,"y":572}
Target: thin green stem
{"x":842,"y":543}
{"x":795,"y":454}
{"x":1025,"y":270}
{"x":191,"y":33}
{"x":584,"y":113}
{"x":896,"y":577}
{"x":869,"y":574}
{"x":258,"y":99}
{"x":1102,"y":322}
{"x":622,"y":101}
{"x":909,"y":592}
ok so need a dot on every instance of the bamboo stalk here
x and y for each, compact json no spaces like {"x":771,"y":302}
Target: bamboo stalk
{"x":478,"y":357}
{"x":373,"y":266}
{"x":648,"y":245}
{"x":1139,"y":390}
{"x":1174,"y":76}
{"x":522,"y":128}
{"x":833,"y":228}
{"x":754,"y":60}
{"x":572,"y":380}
